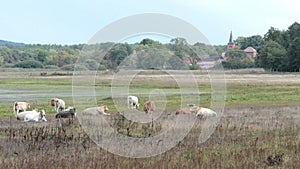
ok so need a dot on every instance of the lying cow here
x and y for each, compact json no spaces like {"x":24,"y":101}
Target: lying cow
{"x":191,"y":109}
{"x":58,"y":104}
{"x":35,"y":116}
{"x":20,"y":107}
{"x":205,"y":112}
{"x":103,"y":109}
{"x":149,"y":106}
{"x":28,"y":114}
{"x":133,"y":102}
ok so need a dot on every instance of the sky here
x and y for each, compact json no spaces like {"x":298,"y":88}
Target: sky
{"x":77,"y":21}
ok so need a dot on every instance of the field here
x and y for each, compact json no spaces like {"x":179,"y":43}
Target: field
{"x":259,"y":127}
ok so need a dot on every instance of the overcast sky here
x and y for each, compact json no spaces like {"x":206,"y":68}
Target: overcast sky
{"x":76,"y":21}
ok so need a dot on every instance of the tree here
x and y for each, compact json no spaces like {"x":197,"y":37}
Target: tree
{"x":276,"y":35}
{"x":116,"y":55}
{"x":294,"y":55}
{"x":29,"y":64}
{"x":272,"y":55}
{"x":175,"y":63}
{"x":253,"y":41}
{"x":152,"y":58}
{"x":41,"y":56}
{"x":179,"y":41}
{"x":237,"y":59}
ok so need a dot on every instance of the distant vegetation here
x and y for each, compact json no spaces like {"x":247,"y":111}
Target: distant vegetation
{"x":278,"y":50}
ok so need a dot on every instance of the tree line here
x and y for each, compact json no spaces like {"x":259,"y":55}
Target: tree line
{"x":277,"y":50}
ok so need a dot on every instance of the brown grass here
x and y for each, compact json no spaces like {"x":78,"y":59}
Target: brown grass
{"x":245,"y":138}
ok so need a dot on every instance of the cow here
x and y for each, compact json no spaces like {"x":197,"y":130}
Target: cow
{"x":149,"y":106}
{"x":191,"y":109}
{"x":20,"y":107}
{"x":133,"y":102}
{"x":35,"y":116}
{"x":205,"y":112}
{"x":67,"y":113}
{"x":103,"y":109}
{"x":58,"y":104}
{"x":21,"y":115}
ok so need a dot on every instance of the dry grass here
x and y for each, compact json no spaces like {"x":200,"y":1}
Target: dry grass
{"x":259,"y":128}
{"x":245,"y":138}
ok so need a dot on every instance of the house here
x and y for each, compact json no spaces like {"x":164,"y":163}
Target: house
{"x":206,"y":63}
{"x":250,"y":52}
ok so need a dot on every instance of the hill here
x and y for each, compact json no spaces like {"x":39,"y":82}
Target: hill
{"x":9,"y":43}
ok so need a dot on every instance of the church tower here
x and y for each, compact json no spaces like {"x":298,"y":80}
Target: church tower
{"x":230,"y":44}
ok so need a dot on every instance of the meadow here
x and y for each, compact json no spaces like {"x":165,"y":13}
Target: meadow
{"x":259,"y":127}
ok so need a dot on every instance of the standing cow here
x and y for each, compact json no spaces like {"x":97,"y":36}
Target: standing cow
{"x":133,"y":102}
{"x":58,"y":104}
{"x":149,"y":106}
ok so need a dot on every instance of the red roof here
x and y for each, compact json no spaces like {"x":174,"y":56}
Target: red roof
{"x":250,"y":50}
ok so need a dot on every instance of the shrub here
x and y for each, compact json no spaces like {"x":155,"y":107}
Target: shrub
{"x":51,"y":67}
{"x":29,"y":64}
{"x":70,"y":67}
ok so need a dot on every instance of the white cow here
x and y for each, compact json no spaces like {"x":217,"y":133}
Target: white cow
{"x":20,"y":107}
{"x":58,"y":104}
{"x":21,"y":115}
{"x":205,"y":112}
{"x":133,"y":102}
{"x":35,"y":116}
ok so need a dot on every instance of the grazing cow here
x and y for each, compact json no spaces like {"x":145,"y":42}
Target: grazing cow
{"x":35,"y":116}
{"x":20,"y":107}
{"x":205,"y":112}
{"x":58,"y":104}
{"x":149,"y":106}
{"x":103,"y":109}
{"x":133,"y":102}
{"x":67,"y":113}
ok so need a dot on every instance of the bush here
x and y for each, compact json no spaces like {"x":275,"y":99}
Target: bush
{"x":51,"y":67}
{"x":238,"y":65}
{"x":70,"y":67}
{"x":29,"y":64}
{"x":8,"y":65}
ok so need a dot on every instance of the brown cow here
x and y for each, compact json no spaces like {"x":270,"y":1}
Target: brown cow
{"x":103,"y":109}
{"x":149,"y":106}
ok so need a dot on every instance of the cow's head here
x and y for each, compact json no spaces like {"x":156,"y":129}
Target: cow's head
{"x":43,"y":115}
{"x":52,"y":102}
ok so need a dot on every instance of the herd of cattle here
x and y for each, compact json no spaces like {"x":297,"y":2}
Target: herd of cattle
{"x":21,"y":112}
{"x":149,"y":106}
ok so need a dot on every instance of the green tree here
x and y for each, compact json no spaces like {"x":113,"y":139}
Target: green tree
{"x":237,"y":59}
{"x":253,"y":41}
{"x":116,"y":55}
{"x":152,"y":58}
{"x":175,"y":63}
{"x":274,"y":35}
{"x":29,"y":64}
{"x":272,"y":56}
{"x":294,"y":55}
